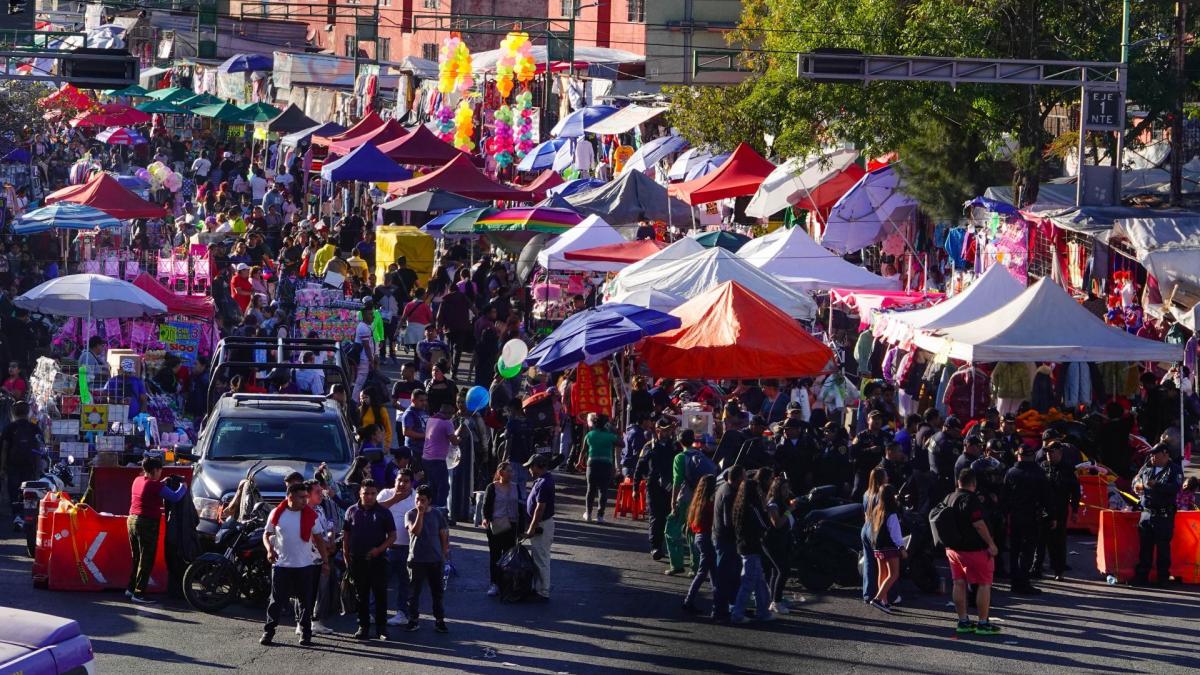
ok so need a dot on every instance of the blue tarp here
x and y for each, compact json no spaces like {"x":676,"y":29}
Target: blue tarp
{"x":365,"y":163}
{"x":1003,"y":208}
{"x":595,"y":334}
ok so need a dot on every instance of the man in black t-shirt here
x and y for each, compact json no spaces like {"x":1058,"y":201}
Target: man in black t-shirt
{"x":972,"y":559}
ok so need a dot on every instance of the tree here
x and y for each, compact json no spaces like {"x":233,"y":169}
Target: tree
{"x":19,"y":109}
{"x":935,"y":157}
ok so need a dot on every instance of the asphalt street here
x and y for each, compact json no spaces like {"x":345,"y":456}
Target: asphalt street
{"x":613,"y":610}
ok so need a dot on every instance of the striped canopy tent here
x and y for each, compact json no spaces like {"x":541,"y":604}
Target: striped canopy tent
{"x":529,"y":219}
{"x":64,"y":216}
{"x":120,"y":136}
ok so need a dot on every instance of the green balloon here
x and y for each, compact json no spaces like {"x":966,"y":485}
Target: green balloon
{"x":507,"y":372}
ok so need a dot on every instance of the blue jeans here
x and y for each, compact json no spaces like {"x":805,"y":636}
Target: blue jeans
{"x":870,"y":571}
{"x":706,"y":568}
{"x":725,"y":577}
{"x":397,"y":560}
{"x":437,"y":476}
{"x":753,"y":581}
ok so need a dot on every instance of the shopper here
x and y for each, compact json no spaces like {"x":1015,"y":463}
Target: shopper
{"x":399,"y":499}
{"x":750,"y":524}
{"x":600,"y":446}
{"x":972,"y":557}
{"x":886,"y":544}
{"x":145,"y":515}
{"x":428,"y":551}
{"x":539,"y":505}
{"x":368,"y":532}
{"x":502,"y":520}
{"x":700,"y":521}
{"x":289,"y":538}
{"x":875,"y":483}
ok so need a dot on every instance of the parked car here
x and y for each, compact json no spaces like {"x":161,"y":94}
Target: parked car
{"x":32,"y":643}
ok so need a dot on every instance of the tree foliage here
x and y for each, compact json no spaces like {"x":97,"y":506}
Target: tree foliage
{"x":19,"y":107}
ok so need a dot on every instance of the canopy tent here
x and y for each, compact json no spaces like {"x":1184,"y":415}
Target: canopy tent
{"x":529,"y":219}
{"x":120,"y":136}
{"x":653,"y":152}
{"x":17,"y":156}
{"x":295,"y":139}
{"x":131,"y":90}
{"x":556,"y":201}
{"x":1043,"y":324}
{"x":615,"y":257}
{"x":541,"y":156}
{"x":739,"y":176}
{"x":103,"y":192}
{"x":592,"y":232}
{"x":367,"y":123}
{"x":868,"y":212}
{"x":365,"y":163}
{"x":573,"y":125}
{"x":691,"y":276}
{"x":540,"y":185}
{"x":625,"y":119}
{"x":291,"y":120}
{"x":597,"y":333}
{"x":584,"y":56}
{"x":163,"y":108}
{"x":93,"y":296}
{"x":390,"y":130}
{"x":188,"y":305}
{"x":868,"y":303}
{"x":431,"y":201}
{"x":683,"y":248}
{"x":421,"y":146}
{"x":69,"y":95}
{"x":259,"y":112}
{"x":64,"y":216}
{"x":197,"y":101}
{"x":171,"y":94}
{"x":111,"y":115}
{"x":993,"y":289}
{"x":729,"y":332}
{"x":246,"y":63}
{"x":796,"y":180}
{"x":457,"y":221}
{"x":790,"y":255}
{"x":730,"y":241}
{"x":220,"y":111}
{"x":459,"y":176}
{"x":630,"y":199}
{"x":575,"y":186}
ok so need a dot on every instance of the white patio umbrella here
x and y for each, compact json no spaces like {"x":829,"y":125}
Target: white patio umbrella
{"x":795,"y":179}
{"x":90,"y":296}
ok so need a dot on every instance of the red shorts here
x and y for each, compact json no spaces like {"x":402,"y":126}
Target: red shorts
{"x":975,"y":567}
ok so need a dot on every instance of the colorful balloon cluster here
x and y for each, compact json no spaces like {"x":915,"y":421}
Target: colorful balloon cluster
{"x":445,"y":123}
{"x":454,"y":67}
{"x":524,"y":126}
{"x":516,"y":61}
{"x":502,"y":144}
{"x":159,"y":176}
{"x":464,"y":126}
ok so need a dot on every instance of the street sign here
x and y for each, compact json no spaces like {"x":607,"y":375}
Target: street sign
{"x":1104,"y":110}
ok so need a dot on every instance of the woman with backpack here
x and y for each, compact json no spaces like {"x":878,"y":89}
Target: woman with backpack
{"x":886,"y":540}
{"x":750,"y":525}
{"x":875,"y":482}
{"x":600,"y":446}
{"x":501,"y":520}
{"x":700,"y":520}
{"x":777,"y":543}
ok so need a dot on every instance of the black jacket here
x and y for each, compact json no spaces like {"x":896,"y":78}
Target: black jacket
{"x":656,"y":463}
{"x":1026,"y":491}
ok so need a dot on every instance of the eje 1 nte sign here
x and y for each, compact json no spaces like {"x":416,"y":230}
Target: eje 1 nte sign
{"x":1104,"y":111}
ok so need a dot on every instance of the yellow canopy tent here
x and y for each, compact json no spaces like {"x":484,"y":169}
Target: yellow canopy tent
{"x":404,"y":241}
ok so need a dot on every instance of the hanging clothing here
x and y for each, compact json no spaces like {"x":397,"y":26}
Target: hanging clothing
{"x":1042,"y":397}
{"x":953,"y":245}
{"x":1011,"y":380}
{"x":837,"y":392}
{"x":968,"y":393}
{"x":1078,"y":387}
{"x":862,"y":349}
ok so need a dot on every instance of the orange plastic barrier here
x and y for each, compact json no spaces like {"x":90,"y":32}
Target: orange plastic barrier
{"x":90,"y":551}
{"x":1117,"y":545}
{"x":42,"y":540}
{"x":1095,"y":500}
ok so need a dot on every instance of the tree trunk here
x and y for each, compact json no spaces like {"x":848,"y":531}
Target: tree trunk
{"x":1027,"y":161}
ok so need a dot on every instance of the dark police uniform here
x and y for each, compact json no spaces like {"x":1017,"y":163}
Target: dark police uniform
{"x":1158,"y":518}
{"x":655,"y":465}
{"x":1027,"y":494}
{"x":865,"y":454}
{"x":989,"y":473}
{"x":1064,"y":499}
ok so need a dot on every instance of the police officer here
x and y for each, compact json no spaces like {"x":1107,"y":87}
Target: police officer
{"x":989,"y":470}
{"x":1064,"y":500}
{"x":895,"y":463}
{"x":1027,"y":494}
{"x":1010,"y":440}
{"x":944,"y":447}
{"x":795,"y":455}
{"x":867,"y":450}
{"x":756,"y":452}
{"x":1158,"y":485}
{"x":972,"y":450}
{"x":655,"y":465}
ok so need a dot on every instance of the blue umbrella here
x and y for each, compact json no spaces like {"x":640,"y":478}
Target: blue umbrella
{"x":20,"y":155}
{"x":133,"y":183}
{"x":573,"y":186}
{"x":541,"y":156}
{"x":572,"y":125}
{"x":695,"y":163}
{"x":246,"y":63}
{"x":64,"y":216}
{"x":595,"y":334}
{"x":653,"y":152}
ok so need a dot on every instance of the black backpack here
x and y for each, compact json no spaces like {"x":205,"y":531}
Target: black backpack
{"x":943,"y":520}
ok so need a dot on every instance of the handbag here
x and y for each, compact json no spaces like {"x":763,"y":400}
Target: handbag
{"x":349,"y":595}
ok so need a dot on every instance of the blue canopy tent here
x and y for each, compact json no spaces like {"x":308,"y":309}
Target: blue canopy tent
{"x":595,"y":334}
{"x":246,"y":63}
{"x":541,"y":156}
{"x":365,"y":163}
{"x":654,"y":152}
{"x":574,"y":186}
{"x":18,"y":156}
{"x":572,"y":125}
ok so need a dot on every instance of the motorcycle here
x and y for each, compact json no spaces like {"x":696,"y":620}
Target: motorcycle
{"x":55,"y":479}
{"x":240,"y":570}
{"x":825,"y":541}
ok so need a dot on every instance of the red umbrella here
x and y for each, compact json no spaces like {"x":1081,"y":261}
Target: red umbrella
{"x":68,"y":96}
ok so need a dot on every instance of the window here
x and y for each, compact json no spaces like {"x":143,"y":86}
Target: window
{"x":569,"y":7}
{"x":238,"y":439}
{"x":636,"y":11}
{"x":432,"y":4}
{"x":383,"y":49}
{"x":351,"y":45}
{"x":429,"y":51}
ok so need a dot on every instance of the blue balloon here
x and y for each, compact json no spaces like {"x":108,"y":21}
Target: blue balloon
{"x":477,"y":398}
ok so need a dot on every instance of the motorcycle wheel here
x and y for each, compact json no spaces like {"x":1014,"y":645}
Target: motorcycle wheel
{"x":812,"y":573}
{"x":31,"y":540}
{"x":210,"y":583}
{"x":923,"y":575}
{"x":256,"y":585}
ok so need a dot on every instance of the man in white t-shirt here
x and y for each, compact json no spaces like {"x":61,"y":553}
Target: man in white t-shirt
{"x":258,"y":186}
{"x":399,"y":500}
{"x":291,"y":537}
{"x":364,"y":335}
{"x":201,"y":167}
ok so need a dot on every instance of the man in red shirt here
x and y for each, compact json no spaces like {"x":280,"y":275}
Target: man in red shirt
{"x":145,"y":514}
{"x":241,"y":286}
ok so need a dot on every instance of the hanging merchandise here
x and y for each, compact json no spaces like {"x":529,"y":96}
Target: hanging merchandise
{"x":454,"y":75}
{"x":502,"y":143}
{"x":464,"y":126}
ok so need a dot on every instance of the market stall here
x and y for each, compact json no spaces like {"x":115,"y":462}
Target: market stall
{"x":791,"y":256}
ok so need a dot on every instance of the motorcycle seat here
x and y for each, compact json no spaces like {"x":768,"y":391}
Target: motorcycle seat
{"x":847,"y":514}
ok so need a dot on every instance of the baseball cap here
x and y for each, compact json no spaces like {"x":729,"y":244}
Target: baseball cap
{"x":1160,"y":447}
{"x":241,"y":266}
{"x":953,"y":421}
{"x":1050,"y":434}
{"x":540,"y":459}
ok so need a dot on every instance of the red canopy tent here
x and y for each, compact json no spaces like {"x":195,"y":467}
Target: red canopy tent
{"x":545,"y":180}
{"x":369,"y":122}
{"x":388,"y":131}
{"x":67,"y":96}
{"x":111,"y":115}
{"x":461,"y":177}
{"x":104,"y":192}
{"x":422,"y":146}
{"x":729,"y":332}
{"x":739,"y":176}
{"x":627,"y":252}
{"x":188,"y":305}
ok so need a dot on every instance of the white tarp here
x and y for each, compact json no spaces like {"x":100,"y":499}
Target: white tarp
{"x":625,"y":119}
{"x":683,"y":248}
{"x":794,"y":180}
{"x":1043,"y":324}
{"x":1149,"y":234}
{"x":486,"y":61}
{"x":589,"y":233}
{"x":791,"y":256}
{"x":994,"y":289}
{"x":688,"y":277}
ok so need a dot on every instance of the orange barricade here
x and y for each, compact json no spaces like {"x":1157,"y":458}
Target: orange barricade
{"x":42,"y":541}
{"x":90,"y":551}
{"x":1117,"y":545}
{"x":1095,"y":499}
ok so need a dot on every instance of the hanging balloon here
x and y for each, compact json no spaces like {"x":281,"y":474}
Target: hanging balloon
{"x":507,"y":372}
{"x":477,"y":398}
{"x":514,"y":351}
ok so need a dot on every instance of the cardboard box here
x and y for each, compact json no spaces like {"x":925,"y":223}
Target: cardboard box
{"x":124,"y":360}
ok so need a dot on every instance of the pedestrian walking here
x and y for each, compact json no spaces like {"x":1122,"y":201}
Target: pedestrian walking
{"x":724,"y":536}
{"x":886,"y":544}
{"x":367,"y":533}
{"x":599,"y":446}
{"x":399,"y":500}
{"x":655,"y":465}
{"x":700,"y":522}
{"x":289,"y":539}
{"x":428,"y":551}
{"x":750,"y":524}
{"x":777,"y":542}
{"x":501,"y":520}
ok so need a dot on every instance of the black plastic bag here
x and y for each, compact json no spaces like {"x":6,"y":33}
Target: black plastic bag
{"x":517,"y":573}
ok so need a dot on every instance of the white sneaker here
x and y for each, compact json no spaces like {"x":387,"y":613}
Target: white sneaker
{"x":587,"y":516}
{"x":319,"y":628}
{"x":298,"y":631}
{"x":493,"y":591}
{"x":398,"y":619}
{"x":780,"y":607}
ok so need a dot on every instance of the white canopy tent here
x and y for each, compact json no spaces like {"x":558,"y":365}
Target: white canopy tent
{"x":794,"y":180}
{"x":1042,"y":324}
{"x":683,"y":248}
{"x":993,"y":289}
{"x":791,"y":256}
{"x":688,"y":277}
{"x":592,"y":232}
{"x":625,"y":119}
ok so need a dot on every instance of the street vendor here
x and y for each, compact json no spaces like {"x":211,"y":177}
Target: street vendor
{"x":128,"y":386}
